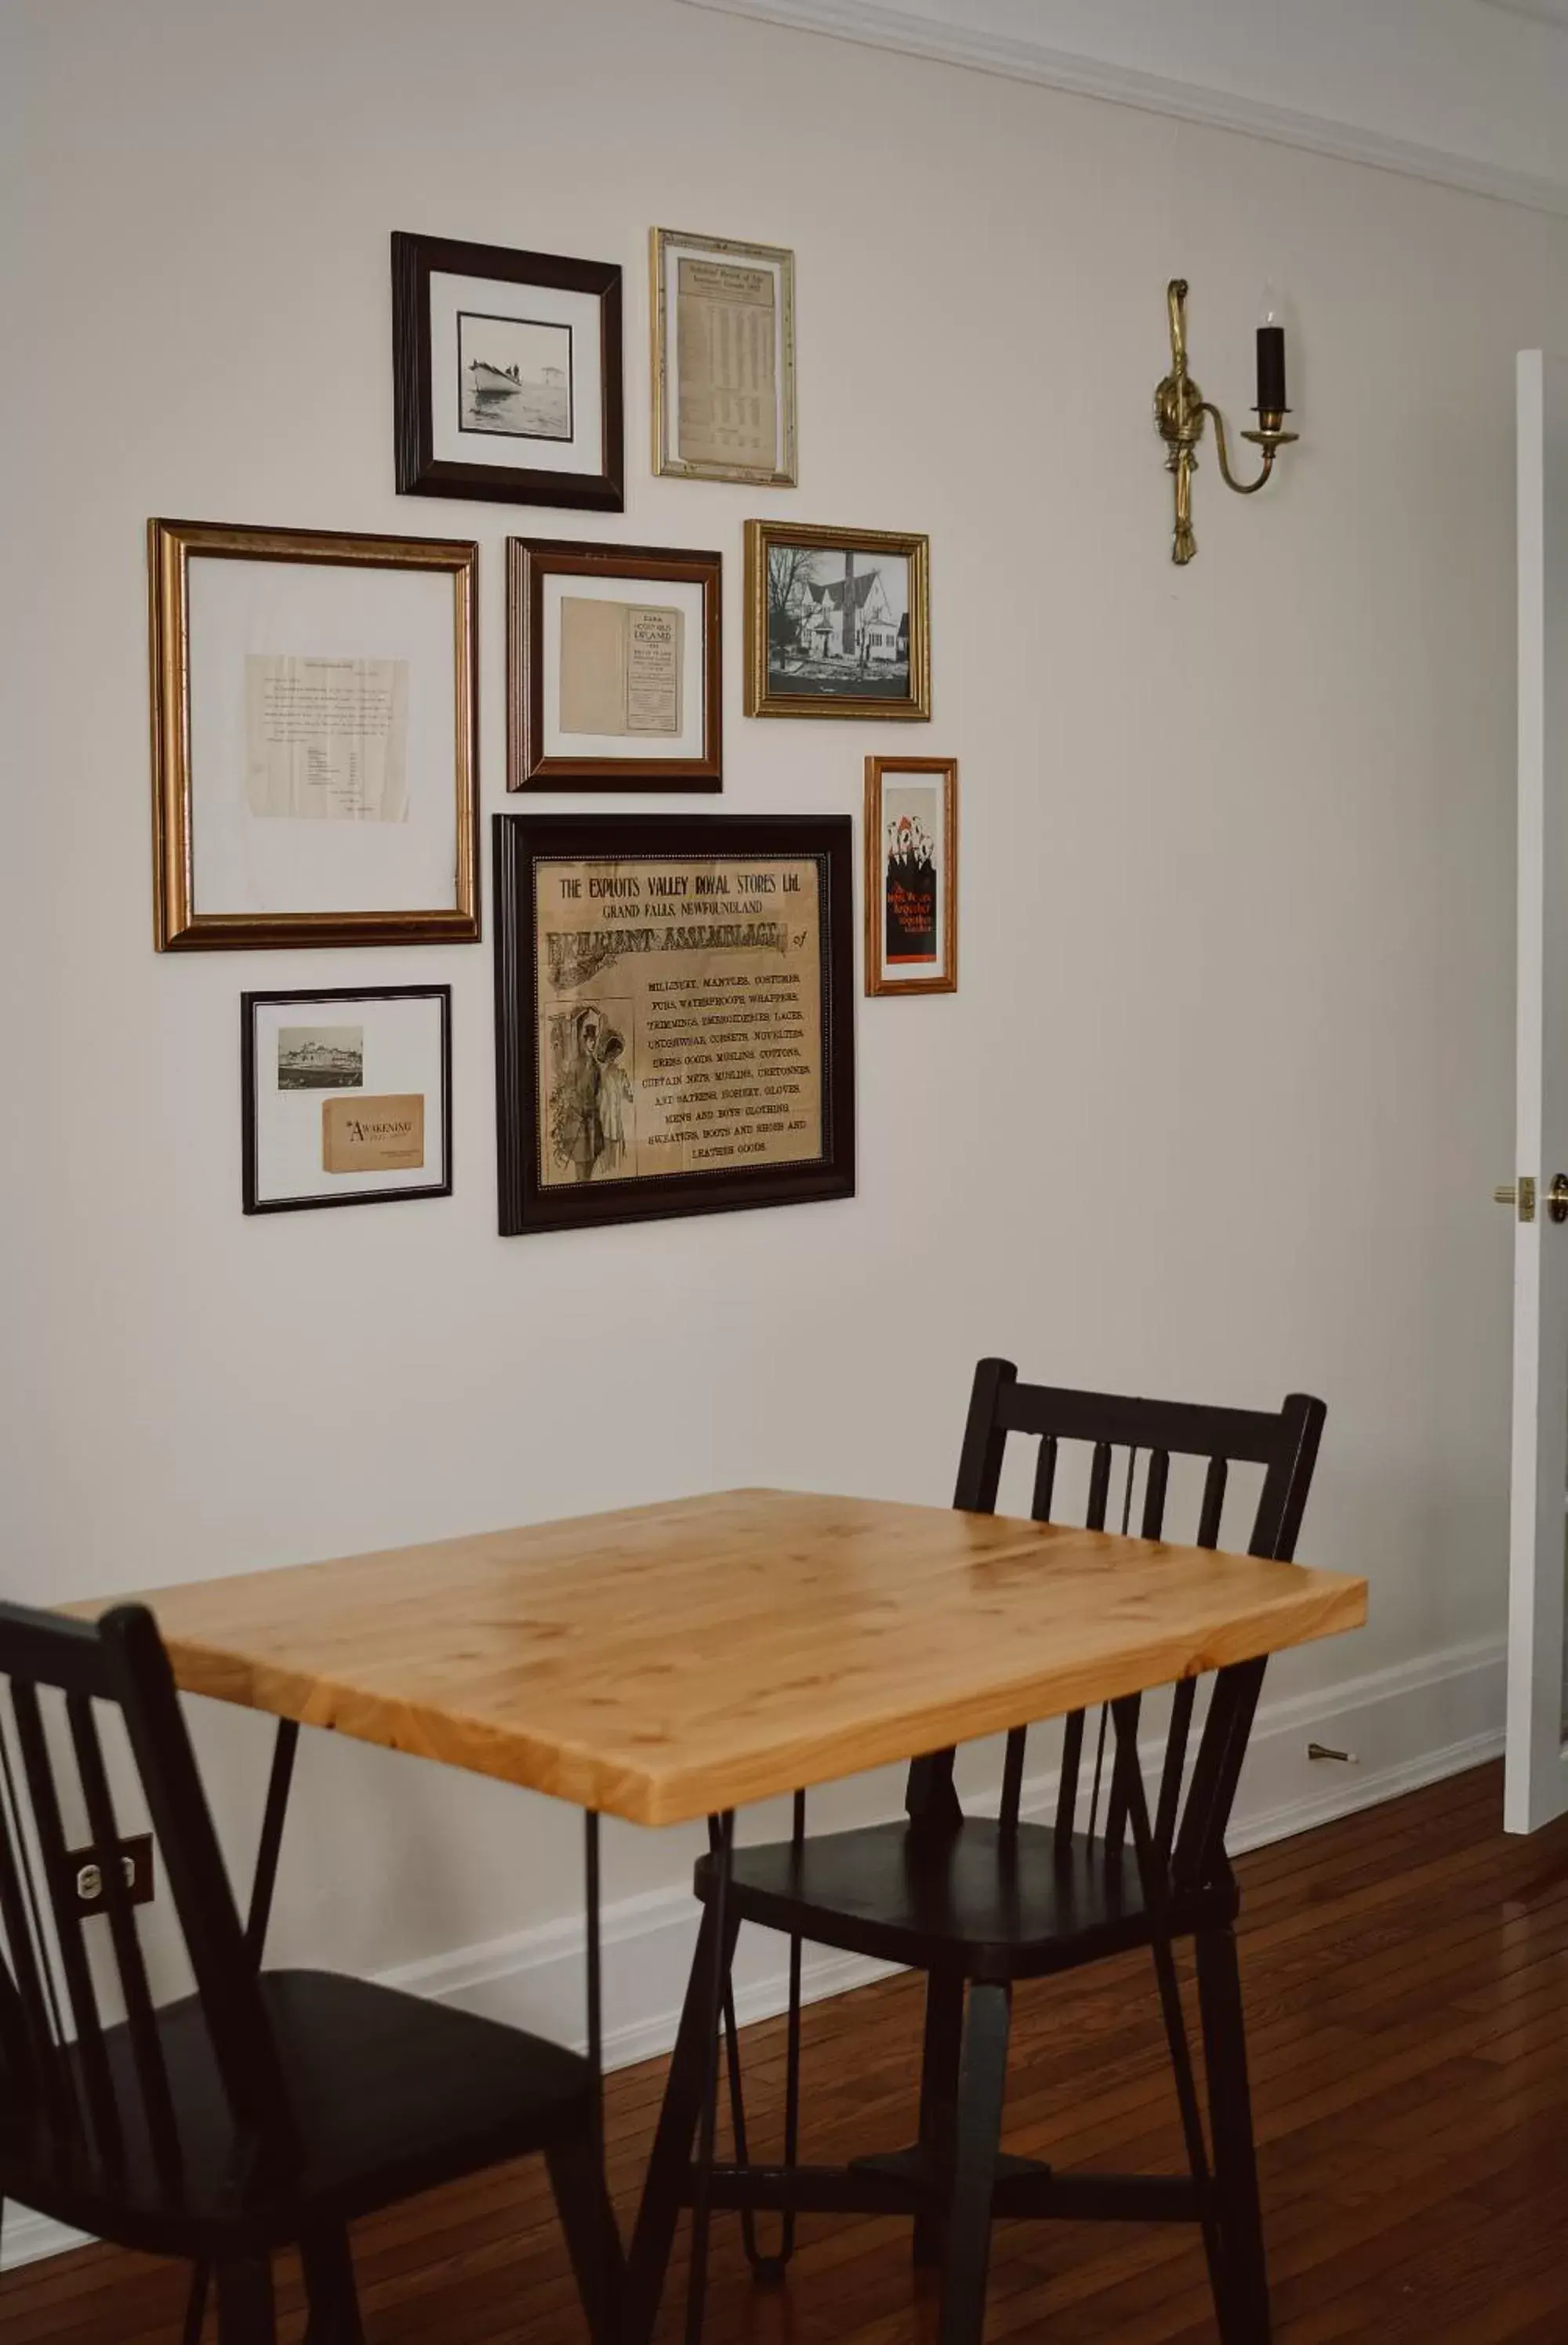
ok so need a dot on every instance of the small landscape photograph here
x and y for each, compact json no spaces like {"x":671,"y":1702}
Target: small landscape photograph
{"x":320,"y":1057}
{"x":514,"y":377}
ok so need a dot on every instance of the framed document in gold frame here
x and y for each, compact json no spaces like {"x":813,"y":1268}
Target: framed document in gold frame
{"x":838,"y":622}
{"x":614,"y":666}
{"x":724,"y":360}
{"x":912,"y":875}
{"x":314,"y":737}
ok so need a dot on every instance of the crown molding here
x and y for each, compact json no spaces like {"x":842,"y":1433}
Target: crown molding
{"x":871,"y":23}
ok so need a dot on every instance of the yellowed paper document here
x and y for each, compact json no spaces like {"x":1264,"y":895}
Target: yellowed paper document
{"x":680,"y":1016}
{"x":327,"y":739}
{"x":373,"y":1135}
{"x":620,"y":667}
{"x":727,"y":365}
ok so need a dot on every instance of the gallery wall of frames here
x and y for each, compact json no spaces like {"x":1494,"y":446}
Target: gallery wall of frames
{"x":674,"y":992}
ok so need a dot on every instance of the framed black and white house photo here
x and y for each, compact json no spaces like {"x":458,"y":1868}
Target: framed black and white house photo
{"x":507,"y":375}
{"x":346,"y":1096}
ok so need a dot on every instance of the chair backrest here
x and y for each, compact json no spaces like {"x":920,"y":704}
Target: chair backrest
{"x":104,"y":2097}
{"x":1150,"y":1432}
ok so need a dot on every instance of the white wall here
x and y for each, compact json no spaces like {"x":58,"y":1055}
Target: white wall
{"x":1219,"y":1106}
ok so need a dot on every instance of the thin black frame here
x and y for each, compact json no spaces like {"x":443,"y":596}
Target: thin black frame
{"x":419,"y":471}
{"x":248,"y":1004}
{"x":521,"y":841}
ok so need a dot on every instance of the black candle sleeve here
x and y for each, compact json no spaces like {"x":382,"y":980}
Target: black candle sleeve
{"x":1270,"y":368}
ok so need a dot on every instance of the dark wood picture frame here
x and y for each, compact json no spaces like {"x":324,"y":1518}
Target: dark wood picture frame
{"x":419,"y":471}
{"x":248,"y":1004}
{"x":877,"y":772}
{"x":179,"y":923}
{"x":528,"y":562}
{"x":521,"y":841}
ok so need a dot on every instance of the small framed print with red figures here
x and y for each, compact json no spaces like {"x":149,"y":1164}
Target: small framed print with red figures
{"x":911,"y":875}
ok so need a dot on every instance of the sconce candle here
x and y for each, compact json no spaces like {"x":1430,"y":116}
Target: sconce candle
{"x":1270,"y":357}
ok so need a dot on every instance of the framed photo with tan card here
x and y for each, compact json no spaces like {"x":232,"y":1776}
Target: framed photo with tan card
{"x":912,"y":875}
{"x":724,"y":360}
{"x":346,"y":1096}
{"x":614,"y":679}
{"x":315,"y":742}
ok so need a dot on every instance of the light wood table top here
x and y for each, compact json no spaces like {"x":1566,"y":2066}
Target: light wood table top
{"x":671,"y":1660}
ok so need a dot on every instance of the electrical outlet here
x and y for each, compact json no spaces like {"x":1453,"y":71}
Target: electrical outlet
{"x":84,"y":1873}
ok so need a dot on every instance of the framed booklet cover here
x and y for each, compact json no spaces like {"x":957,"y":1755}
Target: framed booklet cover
{"x":315,"y":742}
{"x":346,"y":1095}
{"x":614,"y":677}
{"x":912,"y":875}
{"x":675,"y":1015}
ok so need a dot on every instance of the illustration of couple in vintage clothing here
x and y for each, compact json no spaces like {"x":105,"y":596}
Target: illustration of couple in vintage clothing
{"x":592,"y":1098}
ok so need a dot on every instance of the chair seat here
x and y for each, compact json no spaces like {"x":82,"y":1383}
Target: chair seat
{"x":392,"y":2095}
{"x":968,"y":1896}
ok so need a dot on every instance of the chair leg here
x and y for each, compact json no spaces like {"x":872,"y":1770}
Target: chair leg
{"x":196,"y":2304}
{"x":670,"y":2165}
{"x":982,"y":2088}
{"x":1244,"y":2311}
{"x":329,"y":2286}
{"x":593,"y":2241}
{"x":245,"y":2309}
{"x":938,"y":2101}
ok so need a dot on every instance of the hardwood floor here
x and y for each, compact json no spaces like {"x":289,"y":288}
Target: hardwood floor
{"x":1407,"y":1981}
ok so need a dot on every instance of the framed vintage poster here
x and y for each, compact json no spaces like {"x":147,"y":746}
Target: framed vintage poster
{"x":346,"y":1096}
{"x":675,"y":1015}
{"x":614,"y":680}
{"x":912,"y":875}
{"x":838,"y":622}
{"x":507,"y":375}
{"x":724,"y":360}
{"x":314,"y":736}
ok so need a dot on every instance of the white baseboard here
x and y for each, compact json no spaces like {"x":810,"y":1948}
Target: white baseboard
{"x":1407,"y":1726}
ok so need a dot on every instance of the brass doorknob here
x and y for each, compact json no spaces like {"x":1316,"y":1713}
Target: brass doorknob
{"x":1557,"y":1197}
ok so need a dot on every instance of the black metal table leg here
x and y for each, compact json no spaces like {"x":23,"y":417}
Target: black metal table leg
{"x":768,"y":2271}
{"x":982,"y":2087}
{"x":263,"y":1885}
{"x":666,"y":2184}
{"x":697,"y":2284}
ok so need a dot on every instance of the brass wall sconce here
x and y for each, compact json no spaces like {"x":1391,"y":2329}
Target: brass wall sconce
{"x":1179,"y":407}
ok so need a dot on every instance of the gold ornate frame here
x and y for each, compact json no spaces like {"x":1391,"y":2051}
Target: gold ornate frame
{"x":666,"y":460}
{"x":876,"y":769}
{"x":179,"y":924}
{"x":761,"y":537}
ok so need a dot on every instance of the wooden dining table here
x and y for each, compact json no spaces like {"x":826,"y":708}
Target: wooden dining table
{"x":680,"y":1660}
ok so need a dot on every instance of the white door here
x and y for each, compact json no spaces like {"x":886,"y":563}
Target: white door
{"x":1537,"y":1766}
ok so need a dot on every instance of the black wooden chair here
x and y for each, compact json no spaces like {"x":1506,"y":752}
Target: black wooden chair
{"x":978,"y":1904}
{"x":269,"y":2108}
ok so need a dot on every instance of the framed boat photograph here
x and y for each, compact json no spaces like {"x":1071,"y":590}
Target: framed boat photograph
{"x":675,"y":1015}
{"x":838,"y":622}
{"x":724,"y":360}
{"x":614,"y":675}
{"x":346,"y":1095}
{"x":314,"y":737}
{"x":507,"y":375}
{"x":912,"y":875}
